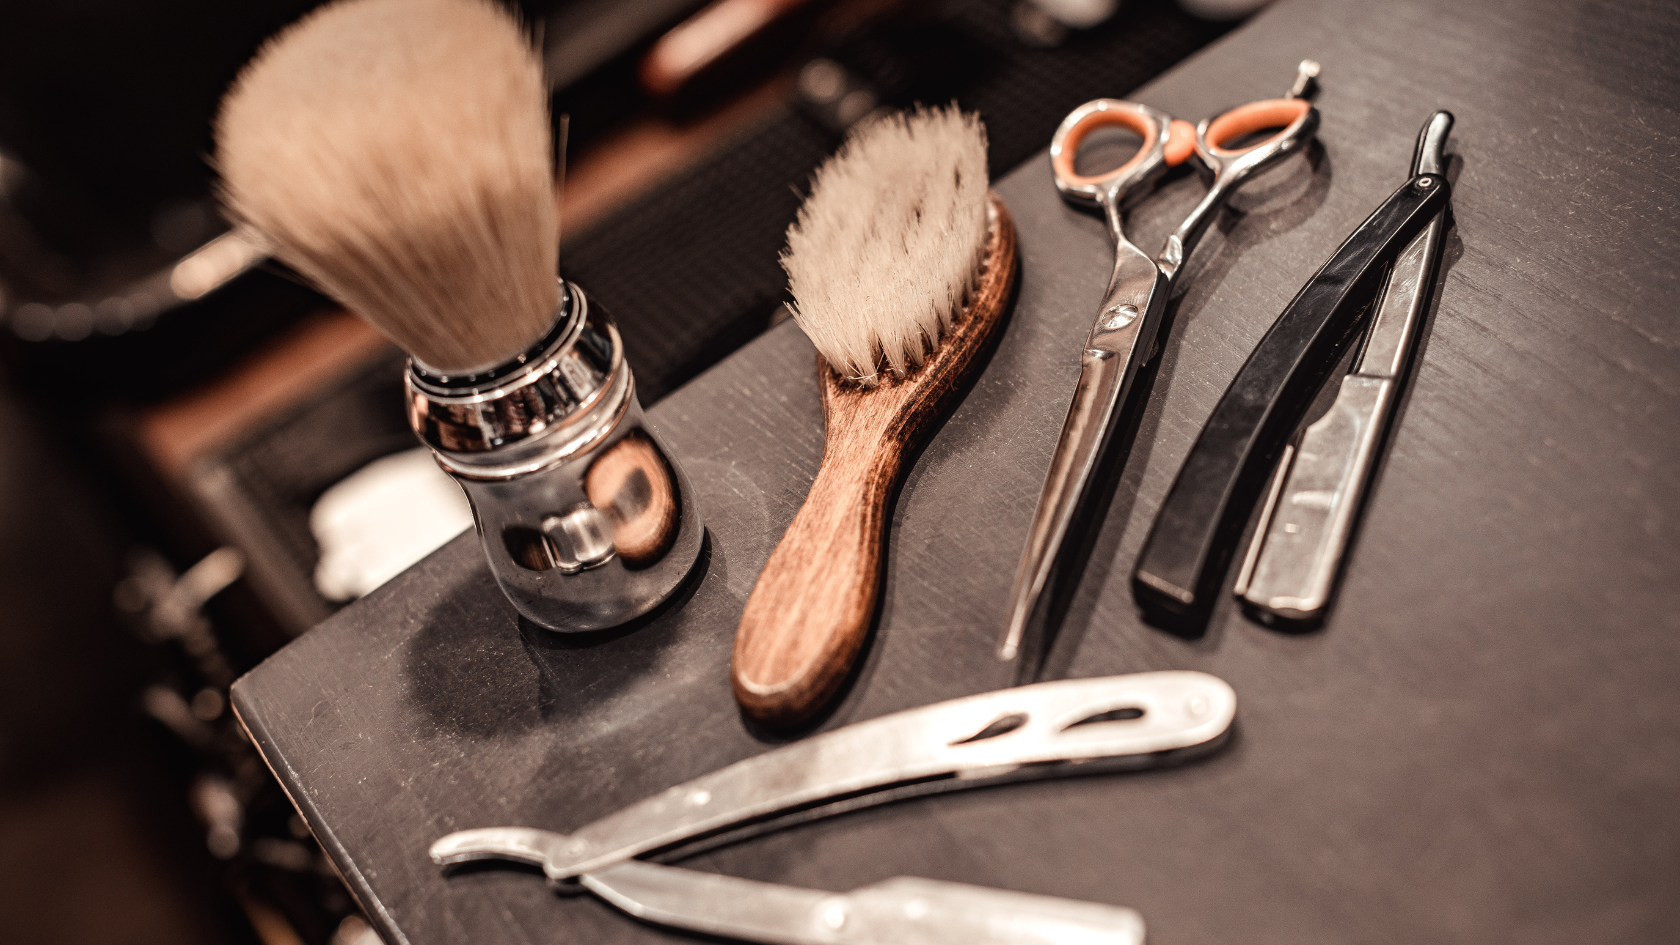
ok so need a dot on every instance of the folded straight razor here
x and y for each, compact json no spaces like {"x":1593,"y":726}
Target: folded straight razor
{"x":1321,"y":480}
{"x":1042,"y":730}
{"x":1184,"y":559}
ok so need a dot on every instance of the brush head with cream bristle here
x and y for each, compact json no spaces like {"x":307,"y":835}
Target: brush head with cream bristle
{"x":890,"y":241}
{"x":397,"y":153}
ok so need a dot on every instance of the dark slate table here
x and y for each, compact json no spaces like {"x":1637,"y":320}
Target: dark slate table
{"x":1481,"y":745}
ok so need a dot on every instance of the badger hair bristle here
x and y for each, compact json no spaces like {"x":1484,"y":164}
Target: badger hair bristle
{"x":397,"y":153}
{"x":891,"y":240}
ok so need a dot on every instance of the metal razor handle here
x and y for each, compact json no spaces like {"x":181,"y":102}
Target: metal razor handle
{"x":1016,"y":733}
{"x":1304,"y":530}
{"x":900,"y":911}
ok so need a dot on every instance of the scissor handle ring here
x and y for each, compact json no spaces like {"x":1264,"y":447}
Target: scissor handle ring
{"x":1165,"y":142}
{"x":1297,"y":116}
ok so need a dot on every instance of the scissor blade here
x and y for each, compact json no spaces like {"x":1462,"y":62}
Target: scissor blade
{"x":1094,"y":403}
{"x":900,"y":911}
{"x":1119,"y":344}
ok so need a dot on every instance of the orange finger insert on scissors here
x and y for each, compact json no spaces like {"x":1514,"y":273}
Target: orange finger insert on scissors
{"x":1124,"y":333}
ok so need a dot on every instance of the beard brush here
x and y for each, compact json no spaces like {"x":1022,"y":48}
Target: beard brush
{"x":901,"y":263}
{"x":397,"y":153}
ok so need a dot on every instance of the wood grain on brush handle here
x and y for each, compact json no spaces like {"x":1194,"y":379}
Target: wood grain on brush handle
{"x":810,"y":611}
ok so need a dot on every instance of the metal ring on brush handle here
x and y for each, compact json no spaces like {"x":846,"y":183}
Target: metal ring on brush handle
{"x":491,"y":420}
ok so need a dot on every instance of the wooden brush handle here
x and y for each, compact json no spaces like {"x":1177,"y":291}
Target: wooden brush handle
{"x":811,"y":609}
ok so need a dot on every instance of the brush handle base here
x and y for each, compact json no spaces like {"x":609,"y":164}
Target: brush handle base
{"x":811,"y":610}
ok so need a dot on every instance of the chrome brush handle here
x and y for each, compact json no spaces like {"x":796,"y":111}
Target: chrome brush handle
{"x":585,"y":516}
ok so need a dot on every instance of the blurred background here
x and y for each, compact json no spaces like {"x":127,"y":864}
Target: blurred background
{"x":202,"y":457}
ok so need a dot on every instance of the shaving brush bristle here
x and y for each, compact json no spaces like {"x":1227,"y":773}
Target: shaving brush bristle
{"x":891,"y":240}
{"x":398,"y":154}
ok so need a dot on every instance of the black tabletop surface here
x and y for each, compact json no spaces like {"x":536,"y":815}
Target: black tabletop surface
{"x":1481,"y":744}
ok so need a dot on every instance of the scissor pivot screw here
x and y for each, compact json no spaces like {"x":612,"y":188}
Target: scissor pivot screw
{"x":1119,"y":316}
{"x":1425,"y":183}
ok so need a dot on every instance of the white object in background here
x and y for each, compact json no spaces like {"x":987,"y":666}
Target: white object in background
{"x":382,"y":518}
{"x":1078,"y":14}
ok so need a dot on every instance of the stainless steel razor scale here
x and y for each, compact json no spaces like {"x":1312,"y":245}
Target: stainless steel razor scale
{"x":1076,"y":726}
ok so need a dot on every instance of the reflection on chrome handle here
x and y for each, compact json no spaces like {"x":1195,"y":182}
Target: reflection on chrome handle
{"x":632,"y":484}
{"x":584,"y":515}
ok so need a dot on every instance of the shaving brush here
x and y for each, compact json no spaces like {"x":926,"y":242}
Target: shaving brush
{"x":398,"y":154}
{"x":901,"y":264}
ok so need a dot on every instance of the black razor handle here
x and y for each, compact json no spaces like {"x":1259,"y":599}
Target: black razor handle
{"x":1185,"y":557}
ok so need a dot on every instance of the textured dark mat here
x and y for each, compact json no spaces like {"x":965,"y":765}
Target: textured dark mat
{"x":1480,"y":745}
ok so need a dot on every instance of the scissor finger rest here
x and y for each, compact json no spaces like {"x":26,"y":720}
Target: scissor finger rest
{"x":1166,"y":143}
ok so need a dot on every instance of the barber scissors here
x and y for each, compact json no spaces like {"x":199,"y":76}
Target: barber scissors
{"x":1123,"y":338}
